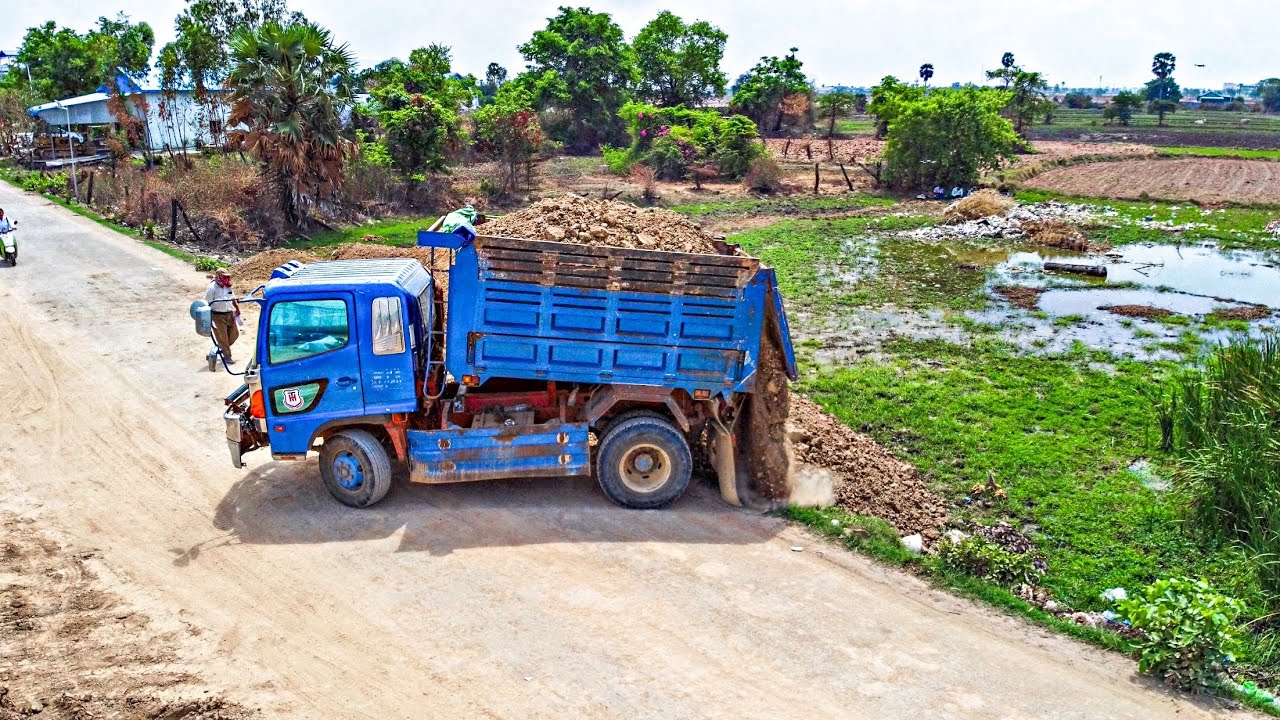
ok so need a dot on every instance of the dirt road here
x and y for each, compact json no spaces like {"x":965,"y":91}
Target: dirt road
{"x":506,"y":600}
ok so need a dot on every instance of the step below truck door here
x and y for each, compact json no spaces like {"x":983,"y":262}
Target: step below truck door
{"x":310,"y":368}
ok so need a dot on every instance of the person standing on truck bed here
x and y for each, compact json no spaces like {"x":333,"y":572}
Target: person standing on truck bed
{"x":225,"y":312}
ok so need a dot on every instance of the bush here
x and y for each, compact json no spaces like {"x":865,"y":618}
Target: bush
{"x":765,"y":175}
{"x":45,"y":183}
{"x":986,"y":559}
{"x":644,"y":176}
{"x":1220,"y":422}
{"x":618,"y":159}
{"x":1189,"y":631}
{"x":204,"y":263}
{"x":673,"y":139}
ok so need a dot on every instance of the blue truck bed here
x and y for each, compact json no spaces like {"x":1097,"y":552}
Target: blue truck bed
{"x":571,"y":313}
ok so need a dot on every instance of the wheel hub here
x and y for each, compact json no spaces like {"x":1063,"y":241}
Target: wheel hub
{"x":645,"y":468}
{"x":347,"y":470}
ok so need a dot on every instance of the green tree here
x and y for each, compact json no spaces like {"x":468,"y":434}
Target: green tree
{"x":508,"y":130}
{"x":417,"y":106}
{"x":888,"y":99}
{"x":948,"y":137}
{"x":494,"y":78}
{"x":64,"y":63}
{"x":860,"y":102}
{"x":1269,"y":94}
{"x":1028,"y":100}
{"x":1122,"y":107}
{"x":926,"y":73}
{"x":1163,"y":92}
{"x":768,"y":87}
{"x":580,"y":63}
{"x":200,"y":54}
{"x":679,"y":64}
{"x":288,"y":86}
{"x":833,"y":105}
{"x":1079,"y":101}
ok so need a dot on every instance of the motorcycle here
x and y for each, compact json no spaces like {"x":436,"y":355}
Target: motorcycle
{"x":10,"y":241}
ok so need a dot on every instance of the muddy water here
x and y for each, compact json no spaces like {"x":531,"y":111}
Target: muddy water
{"x":1192,"y":281}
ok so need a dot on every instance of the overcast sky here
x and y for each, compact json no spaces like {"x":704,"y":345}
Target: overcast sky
{"x":851,"y":42}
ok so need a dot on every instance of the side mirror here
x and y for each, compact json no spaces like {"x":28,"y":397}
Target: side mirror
{"x":203,"y":316}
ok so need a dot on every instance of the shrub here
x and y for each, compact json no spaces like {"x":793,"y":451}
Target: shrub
{"x":765,"y":175}
{"x":45,"y":183}
{"x":1189,"y":631}
{"x":673,"y":139}
{"x":644,"y":176}
{"x":204,"y":263}
{"x":1221,"y":423}
{"x":986,"y":559}
{"x":618,"y":159}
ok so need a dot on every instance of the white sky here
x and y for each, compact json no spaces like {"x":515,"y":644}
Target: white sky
{"x":852,"y":42}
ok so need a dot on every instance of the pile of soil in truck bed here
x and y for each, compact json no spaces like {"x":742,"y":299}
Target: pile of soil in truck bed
{"x":602,"y":222}
{"x":784,"y":432}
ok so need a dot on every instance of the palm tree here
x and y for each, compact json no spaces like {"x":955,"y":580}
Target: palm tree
{"x":926,"y":73}
{"x":288,"y":86}
{"x":1006,"y":60}
{"x":1162,"y":66}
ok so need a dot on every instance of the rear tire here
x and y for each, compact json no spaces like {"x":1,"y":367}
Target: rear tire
{"x":644,"y":462}
{"x":355,"y":468}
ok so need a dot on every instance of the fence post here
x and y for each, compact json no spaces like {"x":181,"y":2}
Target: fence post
{"x":173,"y":220}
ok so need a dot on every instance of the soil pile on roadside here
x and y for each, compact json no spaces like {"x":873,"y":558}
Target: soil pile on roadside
{"x":984,"y":203}
{"x":256,"y":269}
{"x":602,"y":223}
{"x":78,"y":651}
{"x":868,"y":479}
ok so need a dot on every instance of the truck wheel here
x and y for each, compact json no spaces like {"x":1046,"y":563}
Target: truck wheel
{"x":355,"y":468}
{"x":644,"y":462}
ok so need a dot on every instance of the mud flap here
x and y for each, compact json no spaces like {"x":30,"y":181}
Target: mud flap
{"x":723,"y":449}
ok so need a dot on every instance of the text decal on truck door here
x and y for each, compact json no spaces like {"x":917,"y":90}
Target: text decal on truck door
{"x":296,"y":399}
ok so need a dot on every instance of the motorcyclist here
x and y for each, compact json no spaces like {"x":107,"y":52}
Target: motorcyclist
{"x":5,"y":224}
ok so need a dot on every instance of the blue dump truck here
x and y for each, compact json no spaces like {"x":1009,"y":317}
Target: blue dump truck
{"x":541,"y":359}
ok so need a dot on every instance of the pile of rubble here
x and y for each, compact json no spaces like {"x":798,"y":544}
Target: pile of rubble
{"x":867,"y":478}
{"x":1013,"y":224}
{"x":602,"y":223}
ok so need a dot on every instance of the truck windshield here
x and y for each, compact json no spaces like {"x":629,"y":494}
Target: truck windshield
{"x":302,"y":328}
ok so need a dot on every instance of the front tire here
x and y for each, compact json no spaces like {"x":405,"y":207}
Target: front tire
{"x":644,"y":462}
{"x":355,"y":468}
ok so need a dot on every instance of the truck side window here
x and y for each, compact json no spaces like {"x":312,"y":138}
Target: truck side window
{"x":388,"y":326}
{"x":302,"y":328}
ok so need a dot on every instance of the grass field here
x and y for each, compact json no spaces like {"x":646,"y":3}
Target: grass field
{"x":1221,"y":152}
{"x":1214,"y":121}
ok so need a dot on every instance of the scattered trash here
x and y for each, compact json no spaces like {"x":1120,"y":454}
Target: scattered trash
{"x":797,"y":548}
{"x":1114,"y":594}
{"x":914,"y":543}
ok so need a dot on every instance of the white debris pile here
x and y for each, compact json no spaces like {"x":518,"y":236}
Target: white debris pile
{"x":1011,"y":225}
{"x":1273,"y":227}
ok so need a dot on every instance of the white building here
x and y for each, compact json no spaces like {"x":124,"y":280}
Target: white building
{"x":175,"y":120}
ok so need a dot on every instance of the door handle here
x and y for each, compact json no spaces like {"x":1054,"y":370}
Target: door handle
{"x":346,"y":382}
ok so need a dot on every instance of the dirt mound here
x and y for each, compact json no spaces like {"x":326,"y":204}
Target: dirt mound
{"x":766,"y":427}
{"x":1247,"y":313}
{"x":1027,"y":298}
{"x":602,"y":223}
{"x":1060,"y":234}
{"x":1137,"y":311}
{"x":982,"y":204}
{"x":869,"y":480}
{"x":77,"y":650}
{"x":256,"y":269}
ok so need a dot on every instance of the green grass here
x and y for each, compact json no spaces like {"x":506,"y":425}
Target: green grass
{"x":783,"y":205}
{"x":1215,"y":121}
{"x":1057,"y":433}
{"x":397,"y":231}
{"x":1230,"y":227}
{"x":848,"y":127}
{"x":840,"y":263}
{"x":1221,"y":152}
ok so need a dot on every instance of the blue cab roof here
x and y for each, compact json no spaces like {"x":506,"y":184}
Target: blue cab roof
{"x":408,"y":275}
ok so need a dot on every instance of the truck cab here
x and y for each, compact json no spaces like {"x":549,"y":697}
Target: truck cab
{"x":340,"y":344}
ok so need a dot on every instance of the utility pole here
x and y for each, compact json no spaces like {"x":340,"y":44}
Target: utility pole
{"x":75,"y":176}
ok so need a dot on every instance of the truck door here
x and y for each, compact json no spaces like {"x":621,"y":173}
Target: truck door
{"x":310,"y":367}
